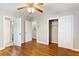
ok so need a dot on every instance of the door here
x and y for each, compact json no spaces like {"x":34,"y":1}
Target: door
{"x":17,"y":31}
{"x":28,"y":31}
{"x":54,"y":30}
{"x":65,"y":32}
{"x":7,"y":31}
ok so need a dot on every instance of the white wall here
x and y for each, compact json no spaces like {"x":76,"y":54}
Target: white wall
{"x":42,"y":34}
{"x":76,"y":31}
{"x":22,"y":29}
{"x":1,"y":33}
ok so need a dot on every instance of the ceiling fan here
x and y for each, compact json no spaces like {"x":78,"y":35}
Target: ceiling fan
{"x":31,"y":7}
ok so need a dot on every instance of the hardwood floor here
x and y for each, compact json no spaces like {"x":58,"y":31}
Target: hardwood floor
{"x":36,"y":49}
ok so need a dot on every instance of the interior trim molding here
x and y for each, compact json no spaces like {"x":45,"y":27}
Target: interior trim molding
{"x":22,"y":42}
{"x":2,"y":48}
{"x":10,"y":44}
{"x":42,"y":42}
{"x":27,"y":41}
{"x":76,"y":50}
{"x":55,"y":42}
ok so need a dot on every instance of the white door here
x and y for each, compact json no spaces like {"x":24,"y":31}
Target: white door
{"x":17,"y":31}
{"x":7,"y":31}
{"x":28,"y":31}
{"x":65,"y":32}
{"x":54,"y":31}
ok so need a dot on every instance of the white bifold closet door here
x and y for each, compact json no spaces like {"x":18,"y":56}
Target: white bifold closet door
{"x":17,"y":31}
{"x":7,"y":31}
{"x":65,"y":31}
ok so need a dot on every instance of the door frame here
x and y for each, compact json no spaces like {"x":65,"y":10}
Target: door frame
{"x":50,"y":21}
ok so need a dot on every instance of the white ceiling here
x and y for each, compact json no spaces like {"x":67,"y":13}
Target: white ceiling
{"x":53,"y":7}
{"x":57,"y":7}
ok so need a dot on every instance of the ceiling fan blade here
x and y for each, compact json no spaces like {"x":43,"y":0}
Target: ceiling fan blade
{"x":38,"y":9}
{"x":21,"y":8}
{"x":40,"y":3}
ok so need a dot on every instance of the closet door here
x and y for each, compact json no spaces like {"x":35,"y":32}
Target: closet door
{"x":65,"y":32}
{"x":7,"y":31}
{"x":17,"y":31}
{"x":28,"y":31}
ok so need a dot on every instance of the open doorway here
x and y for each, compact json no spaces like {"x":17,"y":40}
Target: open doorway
{"x":53,"y":31}
{"x":34,"y":30}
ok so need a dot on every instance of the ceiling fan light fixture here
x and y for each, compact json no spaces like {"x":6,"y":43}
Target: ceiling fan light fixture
{"x":30,"y":10}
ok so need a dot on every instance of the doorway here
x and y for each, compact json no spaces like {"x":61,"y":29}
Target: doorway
{"x":34,"y":30}
{"x":53,"y":31}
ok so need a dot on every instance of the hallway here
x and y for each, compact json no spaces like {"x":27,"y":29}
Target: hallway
{"x":35,"y":49}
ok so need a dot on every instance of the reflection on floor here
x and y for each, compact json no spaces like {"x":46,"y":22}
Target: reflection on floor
{"x":36,"y":49}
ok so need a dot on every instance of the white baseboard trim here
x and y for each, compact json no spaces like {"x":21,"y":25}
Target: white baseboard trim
{"x":65,"y":47}
{"x":75,"y":50}
{"x":9,"y":44}
{"x":55,"y":42}
{"x":43,"y":42}
{"x":2,"y":48}
{"x":22,"y":42}
{"x":71,"y":49}
{"x":27,"y":41}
